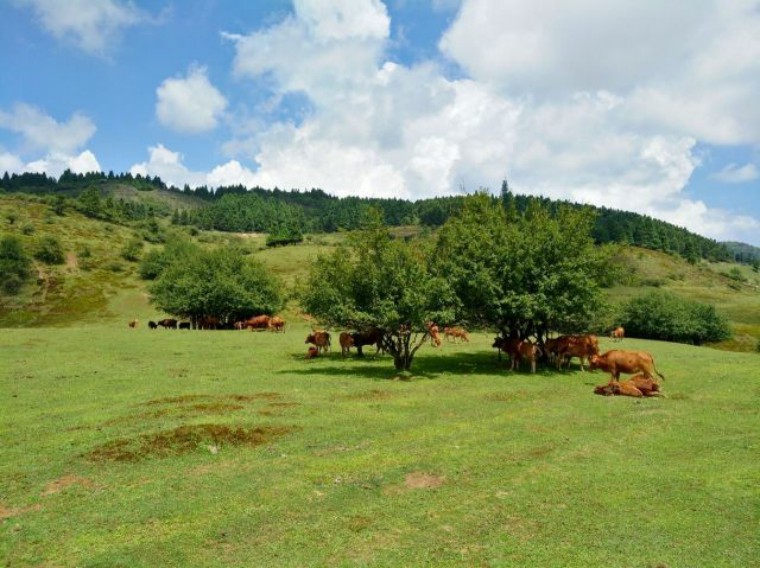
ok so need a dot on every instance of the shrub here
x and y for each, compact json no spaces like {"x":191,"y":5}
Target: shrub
{"x":663,"y":315}
{"x":28,"y":229}
{"x":132,"y":250}
{"x":49,"y":250}
{"x":15,"y":265}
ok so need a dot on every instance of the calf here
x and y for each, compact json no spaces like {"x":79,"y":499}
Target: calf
{"x":617,"y":334}
{"x":346,"y":343}
{"x":518,"y":349}
{"x":152,"y":325}
{"x":637,"y":386}
{"x":320,"y":339}
{"x":132,"y":323}
{"x":435,"y":336}
{"x":276,"y":323}
{"x":581,"y":346}
{"x":617,"y":361}
{"x":312,"y":353}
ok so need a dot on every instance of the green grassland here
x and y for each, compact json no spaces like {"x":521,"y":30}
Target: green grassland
{"x":132,"y":447}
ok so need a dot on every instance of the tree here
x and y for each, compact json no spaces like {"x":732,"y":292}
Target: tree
{"x":220,"y":283}
{"x":15,"y":265}
{"x":377,"y":282}
{"x":522,"y":273}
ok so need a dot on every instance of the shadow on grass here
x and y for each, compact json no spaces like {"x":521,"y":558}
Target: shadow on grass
{"x":426,"y":367}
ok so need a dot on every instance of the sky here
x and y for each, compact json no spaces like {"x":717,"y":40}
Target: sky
{"x":639,"y":105}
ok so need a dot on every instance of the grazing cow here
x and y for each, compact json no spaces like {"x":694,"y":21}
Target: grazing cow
{"x":501,"y":343}
{"x":581,"y":346}
{"x":276,"y":323}
{"x":152,"y":325}
{"x":435,"y":336}
{"x":617,"y":361}
{"x":456,"y":332}
{"x":208,"y":322}
{"x":312,"y":352}
{"x":372,"y":336}
{"x":168,"y":323}
{"x":259,"y":322}
{"x":518,"y":349}
{"x":617,"y":334}
{"x":320,"y":339}
{"x":550,"y":349}
{"x":346,"y":343}
{"x":184,"y":325}
{"x":132,"y":323}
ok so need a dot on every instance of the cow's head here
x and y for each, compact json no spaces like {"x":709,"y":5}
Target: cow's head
{"x":311,"y":338}
{"x":593,"y":362}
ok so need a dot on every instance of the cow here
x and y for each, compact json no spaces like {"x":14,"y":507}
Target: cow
{"x":258,"y":322}
{"x":132,"y":323}
{"x":617,"y":334}
{"x":184,"y":325}
{"x":312,"y":352}
{"x":371,"y":336}
{"x":346,"y":343}
{"x":320,"y":339}
{"x":637,"y":386}
{"x":550,"y":349}
{"x":152,"y":325}
{"x":518,"y":349}
{"x":168,"y":323}
{"x":276,"y":323}
{"x":208,"y":322}
{"x":239,"y":325}
{"x":617,"y":361}
{"x":435,"y":336}
{"x":501,"y":344}
{"x":581,"y":346}
{"x":456,"y":332}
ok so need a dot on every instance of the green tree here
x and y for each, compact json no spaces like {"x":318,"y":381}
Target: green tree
{"x":524,"y":274}
{"x":377,"y":282}
{"x":220,"y":283}
{"x":15,"y":265}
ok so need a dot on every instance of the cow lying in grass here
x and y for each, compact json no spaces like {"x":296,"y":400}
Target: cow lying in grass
{"x":637,"y":386}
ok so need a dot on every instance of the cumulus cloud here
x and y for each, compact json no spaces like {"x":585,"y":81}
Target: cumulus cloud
{"x":91,"y":25}
{"x":190,"y":104}
{"x":733,"y":173}
{"x":60,"y":143}
{"x":168,"y":165}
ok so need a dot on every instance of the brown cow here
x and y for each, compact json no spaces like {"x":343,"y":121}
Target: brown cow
{"x":184,"y":325}
{"x":168,"y":323}
{"x":617,"y":334}
{"x":456,"y":332}
{"x":581,"y":346}
{"x":312,"y":352}
{"x":518,"y":349}
{"x":276,"y":323}
{"x":133,"y":323}
{"x":550,"y":349}
{"x":239,"y":325}
{"x":435,"y":336}
{"x":152,"y":325}
{"x":617,"y":361}
{"x":371,"y":336}
{"x":346,"y":343}
{"x":258,"y":322}
{"x":208,"y":322}
{"x":637,"y":386}
{"x":320,"y":339}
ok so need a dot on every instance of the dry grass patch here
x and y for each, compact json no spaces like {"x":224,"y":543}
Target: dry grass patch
{"x":64,"y":482}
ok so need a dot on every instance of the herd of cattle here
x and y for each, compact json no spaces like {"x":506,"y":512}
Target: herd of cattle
{"x":557,"y":351}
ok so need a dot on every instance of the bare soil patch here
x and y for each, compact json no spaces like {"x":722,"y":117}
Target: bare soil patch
{"x":66,"y":481}
{"x":183,"y":440}
{"x":8,"y":512}
{"x":422,"y":480}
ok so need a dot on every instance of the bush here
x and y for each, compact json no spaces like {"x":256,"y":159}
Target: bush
{"x":49,"y":250}
{"x":132,"y":250}
{"x":663,"y":315}
{"x":15,"y":265}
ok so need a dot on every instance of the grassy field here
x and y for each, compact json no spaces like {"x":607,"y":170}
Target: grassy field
{"x":124,"y":447}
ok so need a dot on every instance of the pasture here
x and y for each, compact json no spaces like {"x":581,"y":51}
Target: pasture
{"x":131,"y":447}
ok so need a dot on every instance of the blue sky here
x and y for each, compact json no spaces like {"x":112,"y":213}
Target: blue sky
{"x":643,"y":106}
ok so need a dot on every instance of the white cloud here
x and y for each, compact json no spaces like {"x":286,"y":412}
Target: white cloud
{"x":41,"y":131}
{"x":169,"y":167}
{"x":55,"y":163}
{"x":10,"y":163}
{"x":190,"y":104}
{"x":734,"y":173}
{"x":91,"y":25}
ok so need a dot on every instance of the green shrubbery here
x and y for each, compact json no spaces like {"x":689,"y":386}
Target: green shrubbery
{"x":49,"y":250}
{"x":663,"y":315}
{"x":15,"y":265}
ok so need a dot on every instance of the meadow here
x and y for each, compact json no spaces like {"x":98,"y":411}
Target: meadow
{"x":131,"y":447}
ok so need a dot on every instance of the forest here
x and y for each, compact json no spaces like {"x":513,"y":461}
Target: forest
{"x":286,"y":215}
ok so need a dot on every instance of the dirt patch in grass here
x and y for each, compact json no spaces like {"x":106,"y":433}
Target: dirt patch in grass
{"x":66,"y":481}
{"x":183,"y":440}
{"x":422,"y":480}
{"x":185,"y":398}
{"x":8,"y":512}
{"x":372,"y":394}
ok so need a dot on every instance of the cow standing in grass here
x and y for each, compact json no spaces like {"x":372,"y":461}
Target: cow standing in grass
{"x":581,"y":346}
{"x":617,"y":361}
{"x":617,"y":334}
{"x":320,"y":339}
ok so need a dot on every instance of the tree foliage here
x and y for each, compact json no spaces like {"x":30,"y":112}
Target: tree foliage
{"x":522,"y":273}
{"x":376,"y":281}
{"x":221,"y":283}
{"x":666,"y":316}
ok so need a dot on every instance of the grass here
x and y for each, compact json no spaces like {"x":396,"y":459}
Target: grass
{"x":124,"y":447}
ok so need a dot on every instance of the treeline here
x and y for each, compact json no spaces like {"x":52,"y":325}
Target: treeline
{"x":287,"y":215}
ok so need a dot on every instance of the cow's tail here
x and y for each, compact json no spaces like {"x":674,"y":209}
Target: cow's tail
{"x":659,"y":374}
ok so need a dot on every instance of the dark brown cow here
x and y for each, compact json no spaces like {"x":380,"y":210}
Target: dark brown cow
{"x":617,"y":361}
{"x":372,"y":336}
{"x":550,"y":349}
{"x":320,"y":339}
{"x":133,"y":323}
{"x":581,"y":346}
{"x":259,"y":322}
{"x":617,"y":334}
{"x":184,"y":325}
{"x":152,"y":325}
{"x":208,"y":322}
{"x":168,"y":323}
{"x":276,"y":323}
{"x":346,"y":343}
